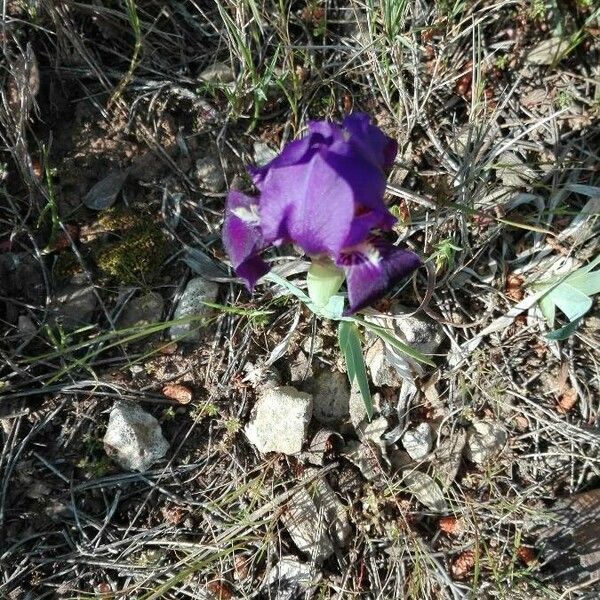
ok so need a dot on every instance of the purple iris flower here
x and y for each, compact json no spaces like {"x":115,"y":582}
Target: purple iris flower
{"x":324,"y":193}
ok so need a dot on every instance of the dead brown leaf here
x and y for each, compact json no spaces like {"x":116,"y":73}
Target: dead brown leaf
{"x":172,"y":514}
{"x":526,"y":554}
{"x":514,"y":287}
{"x":566,"y":401}
{"x":450,"y":525}
{"x":463,"y":564}
{"x":176,"y":391}
{"x":220,"y":590}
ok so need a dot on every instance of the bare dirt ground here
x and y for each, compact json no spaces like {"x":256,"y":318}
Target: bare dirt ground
{"x":123,"y":126}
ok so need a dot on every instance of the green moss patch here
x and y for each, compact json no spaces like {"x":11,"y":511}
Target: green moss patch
{"x":138,"y":254}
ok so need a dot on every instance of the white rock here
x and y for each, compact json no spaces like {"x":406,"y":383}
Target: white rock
{"x":191,"y":304}
{"x":143,"y":310}
{"x":290,"y":577}
{"x":418,"y":441}
{"x":331,"y":397}
{"x":280,"y":420}
{"x":209,"y":174}
{"x":133,"y":437}
{"x":307,"y":528}
{"x":484,"y":440}
{"x":425,"y":490}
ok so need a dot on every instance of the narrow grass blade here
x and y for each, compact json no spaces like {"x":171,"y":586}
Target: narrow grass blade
{"x":392,"y":340}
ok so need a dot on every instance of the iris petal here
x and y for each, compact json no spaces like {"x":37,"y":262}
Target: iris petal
{"x":363,"y":224}
{"x":311,"y":204}
{"x":372,"y":142}
{"x":294,"y":153}
{"x":243,"y":239}
{"x":366,"y":180}
{"x":372,"y":268}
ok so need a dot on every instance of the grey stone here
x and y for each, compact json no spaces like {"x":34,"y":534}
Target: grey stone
{"x":357,"y":409}
{"x":331,"y":397}
{"x":419,"y":332}
{"x":133,"y":437}
{"x":289,"y":578}
{"x":209,"y":174}
{"x":313,"y":345}
{"x":485,"y":439}
{"x":280,"y":420}
{"x":425,"y":490}
{"x":367,"y":457}
{"x":333,"y":511}
{"x":321,"y":445}
{"x":307,"y":527}
{"x":26,"y":329}
{"x":74,"y":304}
{"x":104,"y":194}
{"x":21,"y":276}
{"x":400,"y":460}
{"x":300,"y":369}
{"x":448,"y":457}
{"x":143,"y":310}
{"x":382,"y":372}
{"x":358,"y":412}
{"x":191,"y":304}
{"x":374,"y":431}
{"x":547,"y":52}
{"x":512,"y":170}
{"x":418,"y":441}
{"x":217,"y":73}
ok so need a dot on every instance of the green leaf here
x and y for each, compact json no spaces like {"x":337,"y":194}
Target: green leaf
{"x":572,"y":294}
{"x":588,"y":283}
{"x":349,"y":341}
{"x":564,"y":332}
{"x":235,"y":310}
{"x":570,"y":300}
{"x":548,"y":309}
{"x":392,"y":340}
